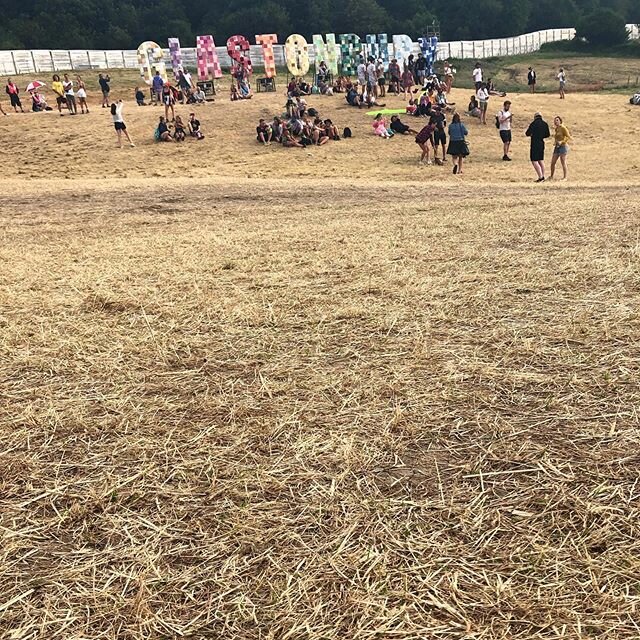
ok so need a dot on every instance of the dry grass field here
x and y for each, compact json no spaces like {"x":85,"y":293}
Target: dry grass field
{"x":325,"y":394}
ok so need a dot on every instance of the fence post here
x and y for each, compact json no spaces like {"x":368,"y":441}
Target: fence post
{"x":461,"y":50}
{"x":449,"y":49}
{"x":13,"y":59}
{"x":88,"y":59}
{"x":473,"y":49}
{"x":33,"y":59}
{"x":70,"y":60}
{"x":492,"y":48}
{"x":106,"y":61}
{"x":124,"y":62}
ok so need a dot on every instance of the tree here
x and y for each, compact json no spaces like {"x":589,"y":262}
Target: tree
{"x":603,"y":27}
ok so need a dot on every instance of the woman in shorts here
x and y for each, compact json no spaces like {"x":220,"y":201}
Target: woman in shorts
{"x":483,"y":100}
{"x":118,"y":123}
{"x":561,"y":147}
{"x":168,"y":100}
{"x":81,"y":94}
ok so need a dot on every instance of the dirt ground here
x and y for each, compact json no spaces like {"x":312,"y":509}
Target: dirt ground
{"x":251,"y":392}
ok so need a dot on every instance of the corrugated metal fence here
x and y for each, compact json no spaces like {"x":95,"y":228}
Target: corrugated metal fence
{"x":47,"y":61}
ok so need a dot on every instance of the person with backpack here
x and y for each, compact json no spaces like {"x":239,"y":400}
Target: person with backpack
{"x":503,"y":124}
{"x":538,"y":131}
{"x":531,"y":79}
{"x":14,"y":95}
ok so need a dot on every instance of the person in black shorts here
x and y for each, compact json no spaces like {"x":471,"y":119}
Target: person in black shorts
{"x":538,"y":130}
{"x":439,"y":134}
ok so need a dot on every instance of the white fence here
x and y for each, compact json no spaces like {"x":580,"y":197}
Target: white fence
{"x":47,"y":61}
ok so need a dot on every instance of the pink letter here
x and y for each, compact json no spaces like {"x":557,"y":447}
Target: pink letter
{"x":267,"y":40}
{"x":208,"y":63}
{"x":238,"y":50}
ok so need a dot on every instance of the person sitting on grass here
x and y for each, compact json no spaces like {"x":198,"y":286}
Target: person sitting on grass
{"x":397,"y":126}
{"x":318,"y":132}
{"x":198,"y":96}
{"x":194,"y":127}
{"x":277,"y":129}
{"x":162,"y":133}
{"x":38,"y":102}
{"x":233,"y":93}
{"x":474,"y":108}
{"x":353,"y":97}
{"x":331,"y":130}
{"x":245,"y":90}
{"x":340,"y":85}
{"x":380,"y":127}
{"x":179,"y":131}
{"x":491,"y":88}
{"x":288,"y":139}
{"x":264,"y":133}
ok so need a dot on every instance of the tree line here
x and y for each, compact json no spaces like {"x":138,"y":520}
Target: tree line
{"x":123,"y":24}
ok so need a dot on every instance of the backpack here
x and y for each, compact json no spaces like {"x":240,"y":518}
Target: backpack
{"x":347,"y":133}
{"x":635,"y":99}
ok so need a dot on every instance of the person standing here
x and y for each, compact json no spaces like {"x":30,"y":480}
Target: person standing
{"x":458,"y":147}
{"x":381,"y":79}
{"x":13,"y":92}
{"x":103,"y":81}
{"x":58,"y":89}
{"x":448,"y":75}
{"x":407,"y":82}
{"x":483,"y":100}
{"x":477,"y":75}
{"x":421,"y":70}
{"x":169,"y":100}
{"x":82,"y":95}
{"x":361,"y":72}
{"x":156,"y":88}
{"x":118,"y":123}
{"x":562,"y":82}
{"x":372,"y":80}
{"x":69,"y":95}
{"x":505,"y":118}
{"x":561,"y":147}
{"x":531,"y":79}
{"x":394,"y":73}
{"x":538,"y":131}
{"x":14,"y":95}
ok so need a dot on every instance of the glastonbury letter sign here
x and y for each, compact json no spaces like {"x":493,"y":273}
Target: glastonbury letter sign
{"x":341,"y":56}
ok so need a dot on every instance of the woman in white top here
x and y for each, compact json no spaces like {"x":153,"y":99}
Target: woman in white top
{"x":483,"y":98}
{"x":81,"y":94}
{"x":118,"y":123}
{"x":562,"y":81}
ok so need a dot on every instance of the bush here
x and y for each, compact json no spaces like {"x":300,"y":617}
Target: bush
{"x":602,"y":27}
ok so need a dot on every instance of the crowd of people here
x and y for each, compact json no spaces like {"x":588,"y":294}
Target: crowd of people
{"x":426,"y":95}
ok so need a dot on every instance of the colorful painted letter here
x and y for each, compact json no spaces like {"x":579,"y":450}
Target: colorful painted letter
{"x":379,"y":47}
{"x":267,"y":40}
{"x":150,"y":59}
{"x":403,"y":48}
{"x":429,"y":47}
{"x":208,"y":63}
{"x":351,"y":49}
{"x":295,"y":50}
{"x":326,"y":52}
{"x":176,"y":55}
{"x":238,"y":49}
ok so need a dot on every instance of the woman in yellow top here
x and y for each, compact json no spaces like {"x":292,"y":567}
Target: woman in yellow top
{"x":58,"y":89}
{"x":561,"y":147}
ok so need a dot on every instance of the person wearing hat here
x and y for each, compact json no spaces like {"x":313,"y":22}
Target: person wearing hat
{"x":538,"y":131}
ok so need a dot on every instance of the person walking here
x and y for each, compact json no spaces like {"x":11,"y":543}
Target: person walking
{"x":531,"y":79}
{"x":538,"y":131}
{"x":562,"y":82}
{"x":561,"y":147}
{"x":118,"y":123}
{"x":103,"y":81}
{"x":505,"y":117}
{"x":458,"y":147}
{"x":14,"y":95}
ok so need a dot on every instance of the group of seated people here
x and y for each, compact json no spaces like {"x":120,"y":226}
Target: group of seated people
{"x":421,"y":107}
{"x":178,"y":132}
{"x":185,"y":96}
{"x":298,"y":127}
{"x":478,"y":102}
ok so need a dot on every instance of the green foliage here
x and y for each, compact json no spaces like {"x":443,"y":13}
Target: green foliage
{"x":126,"y":23}
{"x":602,"y":27}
